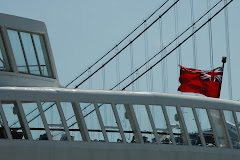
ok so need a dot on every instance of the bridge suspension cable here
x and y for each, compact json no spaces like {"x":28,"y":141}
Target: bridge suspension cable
{"x":117,"y":44}
{"x":225,"y":5}
{"x":163,"y":48}
{"x":179,"y":45}
{"x":126,"y":45}
{"x":115,"y":47}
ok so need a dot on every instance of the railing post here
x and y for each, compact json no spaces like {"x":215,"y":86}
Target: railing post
{"x":118,"y":122}
{"x":101,"y":122}
{"x":213,"y":127}
{"x":44,"y":121}
{"x":237,"y":124}
{"x":24,"y":120}
{"x":226,"y":129}
{"x":168,"y":124}
{"x":80,"y":120}
{"x":134,"y":123}
{"x":183,"y":127}
{"x":152,"y":124}
{"x":199,"y":127}
{"x":5,"y":122}
{"x":64,"y":123}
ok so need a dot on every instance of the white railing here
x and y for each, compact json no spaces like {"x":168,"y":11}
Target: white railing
{"x":116,"y":116}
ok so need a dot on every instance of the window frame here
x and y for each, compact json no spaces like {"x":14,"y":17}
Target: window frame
{"x":47,"y":60}
{"x":6,"y":56}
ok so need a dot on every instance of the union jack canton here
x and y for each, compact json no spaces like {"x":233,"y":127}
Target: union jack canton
{"x":214,"y":75}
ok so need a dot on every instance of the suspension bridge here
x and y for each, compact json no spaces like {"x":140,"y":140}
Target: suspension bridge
{"x":190,"y":33}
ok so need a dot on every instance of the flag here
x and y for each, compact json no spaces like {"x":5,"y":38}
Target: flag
{"x":207,"y":83}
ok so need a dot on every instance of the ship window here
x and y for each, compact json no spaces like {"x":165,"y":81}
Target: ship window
{"x":42,"y":55}
{"x":4,"y":65}
{"x":71,"y":121}
{"x":109,"y":122}
{"x":54,"y":121}
{"x":232,"y":129}
{"x":17,"y":51}
{"x":14,"y":119}
{"x":191,"y":126}
{"x":3,"y":134}
{"x":30,"y":53}
{"x":144,"y":123}
{"x":206,"y":127}
{"x":176,"y":125}
{"x":160,"y":124}
{"x":219,"y":126}
{"x":34,"y":120}
{"x":124,"y":119}
{"x":92,"y":122}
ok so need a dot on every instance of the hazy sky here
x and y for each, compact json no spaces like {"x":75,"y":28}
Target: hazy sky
{"x":81,"y":31}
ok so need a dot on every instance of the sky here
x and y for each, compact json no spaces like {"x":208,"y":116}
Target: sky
{"x":81,"y":31}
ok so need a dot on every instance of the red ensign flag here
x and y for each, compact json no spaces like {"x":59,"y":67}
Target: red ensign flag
{"x":207,"y":83}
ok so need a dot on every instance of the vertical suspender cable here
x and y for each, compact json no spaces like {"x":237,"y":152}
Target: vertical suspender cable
{"x":137,"y":82}
{"x":90,"y":80}
{"x":193,"y":37}
{"x":179,"y":58}
{"x":104,"y":78}
{"x":165,"y":73}
{"x":117,"y":69}
{"x":132,"y":65}
{"x":228,"y":51}
{"x":161,"y":47}
{"x":146,"y":56}
{"x":151,"y":81}
{"x":210,"y":37}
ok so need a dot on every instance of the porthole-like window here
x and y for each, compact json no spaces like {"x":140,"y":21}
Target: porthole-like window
{"x":30,"y":53}
{"x":4,"y":65}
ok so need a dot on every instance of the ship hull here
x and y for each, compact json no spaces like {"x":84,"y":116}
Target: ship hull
{"x":27,"y":150}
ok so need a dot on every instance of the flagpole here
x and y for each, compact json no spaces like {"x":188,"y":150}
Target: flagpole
{"x":224,"y":60}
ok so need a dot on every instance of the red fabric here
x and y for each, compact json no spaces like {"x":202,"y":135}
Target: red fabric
{"x":191,"y":81}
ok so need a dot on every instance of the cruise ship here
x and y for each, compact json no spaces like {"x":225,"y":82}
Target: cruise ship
{"x":40,"y":119}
